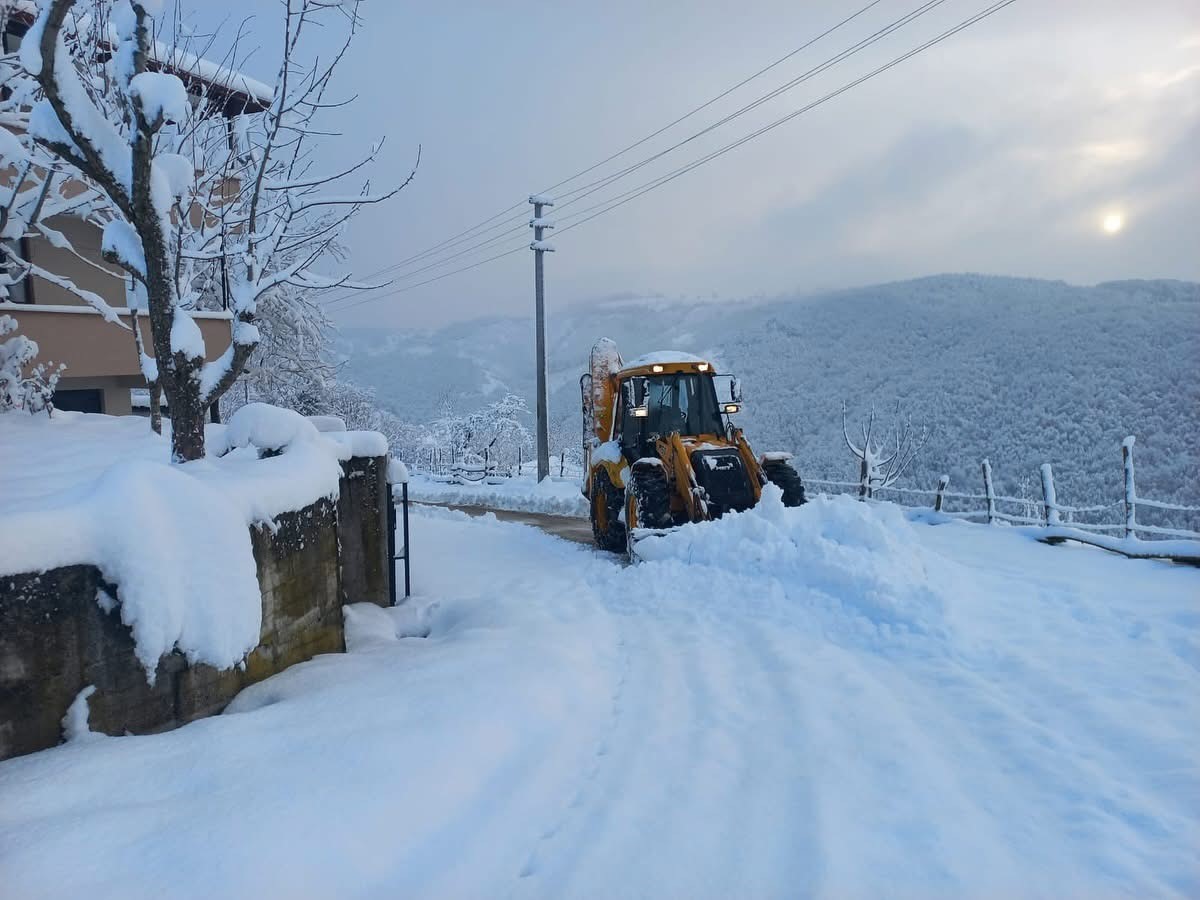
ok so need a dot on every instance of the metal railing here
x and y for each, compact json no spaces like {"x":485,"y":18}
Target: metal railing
{"x":403,"y":517}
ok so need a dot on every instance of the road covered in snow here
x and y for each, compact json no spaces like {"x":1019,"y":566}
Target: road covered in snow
{"x":825,"y":701}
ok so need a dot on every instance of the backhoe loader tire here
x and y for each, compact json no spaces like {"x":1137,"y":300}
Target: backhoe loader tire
{"x":781,"y":474}
{"x":607,"y":500}
{"x":649,"y":488}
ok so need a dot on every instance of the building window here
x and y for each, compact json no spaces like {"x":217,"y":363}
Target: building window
{"x":87,"y":401}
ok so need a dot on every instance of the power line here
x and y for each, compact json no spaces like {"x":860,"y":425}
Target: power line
{"x":646,"y":187}
{"x":720,"y":96}
{"x":635,"y":144}
{"x":634,"y":193}
{"x":877,"y":36}
{"x":600,"y":184}
{"x":411,"y":287}
{"x":435,"y":265}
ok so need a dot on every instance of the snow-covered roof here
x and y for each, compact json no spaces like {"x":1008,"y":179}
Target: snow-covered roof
{"x":184,"y":64}
{"x":191,"y":68}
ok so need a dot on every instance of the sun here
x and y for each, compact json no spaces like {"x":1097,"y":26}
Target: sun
{"x":1112,"y":223}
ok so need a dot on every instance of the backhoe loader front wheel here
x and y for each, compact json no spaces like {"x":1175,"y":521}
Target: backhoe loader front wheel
{"x":783,"y":475}
{"x":607,"y":526}
{"x":649,"y":497}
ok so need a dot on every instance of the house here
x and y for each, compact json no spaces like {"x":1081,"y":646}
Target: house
{"x":102,"y":365}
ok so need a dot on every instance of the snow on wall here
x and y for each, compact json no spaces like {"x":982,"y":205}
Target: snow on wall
{"x":174,"y":538}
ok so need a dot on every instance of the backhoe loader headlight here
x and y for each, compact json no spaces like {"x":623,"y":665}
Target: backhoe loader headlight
{"x":656,"y":368}
{"x":729,"y":409}
{"x":702,"y":367}
{"x":640,"y":412}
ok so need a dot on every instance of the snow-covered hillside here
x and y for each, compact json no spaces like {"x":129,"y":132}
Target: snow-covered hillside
{"x":824,"y":701}
{"x":1020,"y":371}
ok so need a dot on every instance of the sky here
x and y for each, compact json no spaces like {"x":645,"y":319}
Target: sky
{"x":1054,"y":139}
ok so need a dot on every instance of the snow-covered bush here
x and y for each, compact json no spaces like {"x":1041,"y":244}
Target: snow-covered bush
{"x":495,"y":432}
{"x":18,"y":390}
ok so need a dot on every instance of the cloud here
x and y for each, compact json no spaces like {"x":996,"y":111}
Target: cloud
{"x":898,"y":181}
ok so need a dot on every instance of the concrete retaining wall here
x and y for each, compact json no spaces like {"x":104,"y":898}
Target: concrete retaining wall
{"x":56,"y":639}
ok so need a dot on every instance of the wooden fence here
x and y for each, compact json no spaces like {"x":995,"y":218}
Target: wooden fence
{"x":1057,"y":522}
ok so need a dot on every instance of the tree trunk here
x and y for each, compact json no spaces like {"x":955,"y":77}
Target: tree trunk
{"x":187,"y":425}
{"x":156,"y":407}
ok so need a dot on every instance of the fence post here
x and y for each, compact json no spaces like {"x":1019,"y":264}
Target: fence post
{"x":1049,"y":497}
{"x":562,"y":463}
{"x":1130,"y":492}
{"x":943,"y":483}
{"x":990,"y":492}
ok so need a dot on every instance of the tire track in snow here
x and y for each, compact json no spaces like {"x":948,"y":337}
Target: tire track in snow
{"x":533,"y":863}
{"x":792,"y":862}
{"x":606,"y":781}
{"x":698,"y":693}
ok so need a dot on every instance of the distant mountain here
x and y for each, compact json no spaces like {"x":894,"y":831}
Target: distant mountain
{"x":1021,"y":371}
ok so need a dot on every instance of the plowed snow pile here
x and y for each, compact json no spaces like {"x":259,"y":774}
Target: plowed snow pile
{"x":836,"y":559}
{"x":825,"y":701}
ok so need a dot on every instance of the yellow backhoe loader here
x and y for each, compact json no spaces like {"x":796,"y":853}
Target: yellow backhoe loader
{"x":661,"y":449}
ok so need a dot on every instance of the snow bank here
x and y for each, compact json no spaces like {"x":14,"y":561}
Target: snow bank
{"x":865,"y":559}
{"x":98,"y":490}
{"x":554,"y":496}
{"x":267,"y":427}
{"x":327,"y":423}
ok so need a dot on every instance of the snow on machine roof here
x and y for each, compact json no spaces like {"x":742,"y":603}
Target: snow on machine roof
{"x":668,"y":360}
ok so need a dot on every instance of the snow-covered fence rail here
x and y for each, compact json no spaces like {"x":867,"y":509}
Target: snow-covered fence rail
{"x":1058,"y":522}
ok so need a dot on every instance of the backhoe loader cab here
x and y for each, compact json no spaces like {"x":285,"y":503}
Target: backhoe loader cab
{"x":661,"y":448}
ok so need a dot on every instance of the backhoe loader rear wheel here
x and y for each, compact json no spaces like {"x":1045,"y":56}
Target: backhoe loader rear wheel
{"x":607,"y":526}
{"x":781,"y":474}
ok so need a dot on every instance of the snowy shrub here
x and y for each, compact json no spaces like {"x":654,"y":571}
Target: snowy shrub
{"x":34,"y":391}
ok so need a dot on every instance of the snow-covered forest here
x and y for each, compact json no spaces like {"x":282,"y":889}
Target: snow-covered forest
{"x":1020,"y":371}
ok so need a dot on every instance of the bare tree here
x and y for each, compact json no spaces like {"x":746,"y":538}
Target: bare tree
{"x":883,"y":458}
{"x":195,"y":204}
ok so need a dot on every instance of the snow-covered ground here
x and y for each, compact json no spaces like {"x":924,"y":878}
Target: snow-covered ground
{"x":828,"y":700}
{"x":555,"y":496}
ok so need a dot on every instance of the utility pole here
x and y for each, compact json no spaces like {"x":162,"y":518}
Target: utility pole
{"x":540,"y":248}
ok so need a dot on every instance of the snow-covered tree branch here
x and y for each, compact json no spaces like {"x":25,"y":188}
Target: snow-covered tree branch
{"x":198,"y":207}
